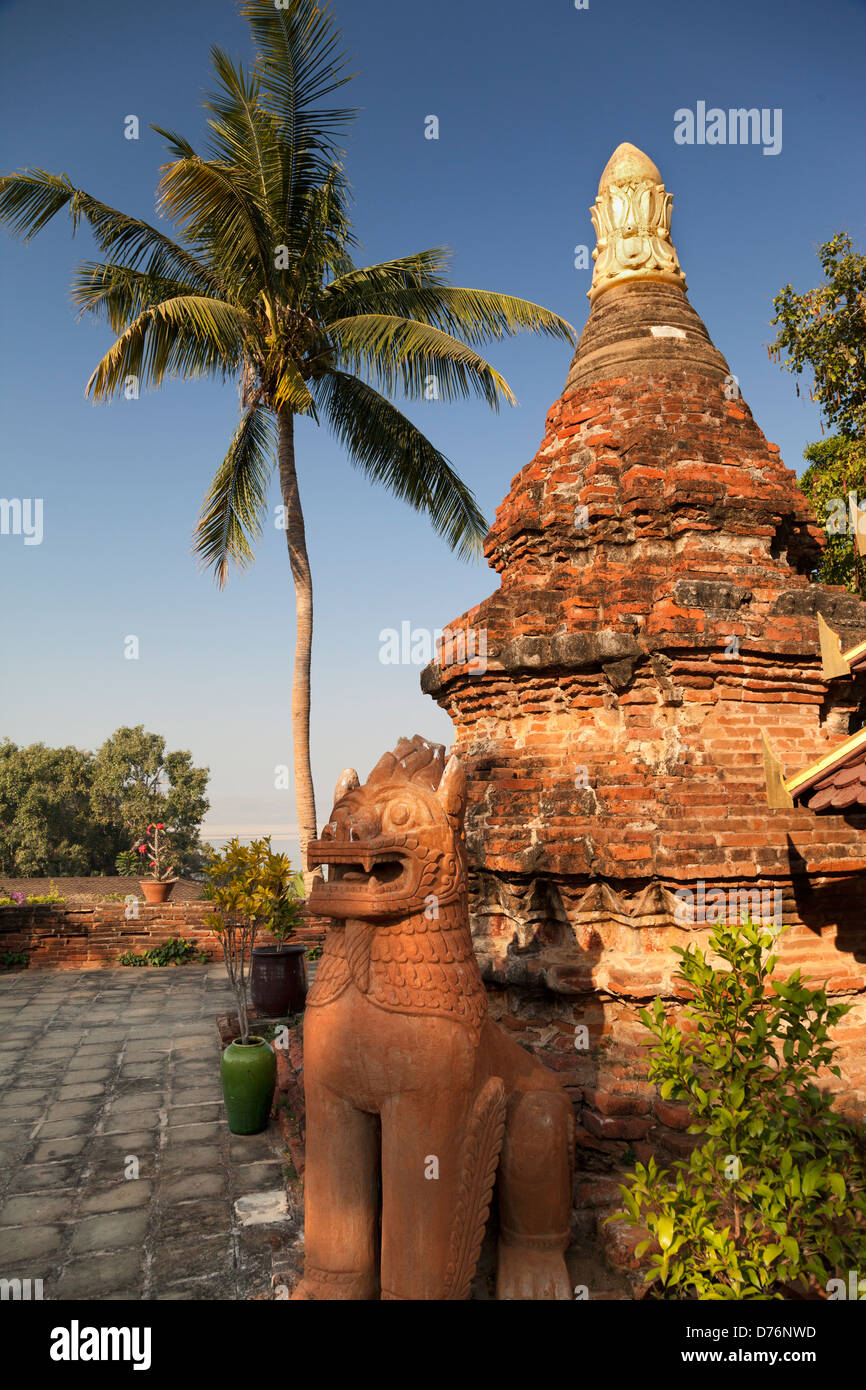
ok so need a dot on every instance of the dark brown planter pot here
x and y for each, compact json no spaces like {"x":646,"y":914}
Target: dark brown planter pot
{"x":155,"y":891}
{"x":278,"y":980}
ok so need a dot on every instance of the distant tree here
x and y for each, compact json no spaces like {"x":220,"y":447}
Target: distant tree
{"x":46,"y":818}
{"x":824,"y":330}
{"x":837,"y":468}
{"x":71,"y":812}
{"x":136,"y":782}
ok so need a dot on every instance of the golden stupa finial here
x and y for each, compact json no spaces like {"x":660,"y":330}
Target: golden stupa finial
{"x":632,"y":218}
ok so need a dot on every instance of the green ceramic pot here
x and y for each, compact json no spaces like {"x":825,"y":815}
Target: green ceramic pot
{"x":248,"y":1072}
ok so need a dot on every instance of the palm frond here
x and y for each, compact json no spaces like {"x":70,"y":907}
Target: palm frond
{"x":30,"y":198}
{"x":298,"y":64}
{"x":393,"y":452}
{"x":215,"y":207}
{"x":120,"y":294}
{"x":190,"y":336}
{"x":245,"y":136}
{"x":233,"y":512}
{"x":417,"y":271}
{"x":475,"y":316}
{"x":402,"y":354}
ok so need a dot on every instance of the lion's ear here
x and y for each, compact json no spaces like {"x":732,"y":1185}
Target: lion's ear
{"x":452,"y":789}
{"x":348,"y":781}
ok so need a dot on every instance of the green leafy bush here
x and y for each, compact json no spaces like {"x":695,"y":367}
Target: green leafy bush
{"x":52,"y":896}
{"x":775,"y":1195}
{"x":175,"y":951}
{"x":251,"y":887}
{"x":13,"y":960}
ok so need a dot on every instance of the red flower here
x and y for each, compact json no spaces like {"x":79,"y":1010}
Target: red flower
{"x":152,"y":866}
{"x":160,"y":826}
{"x":149,"y":828}
{"x":141,"y":849}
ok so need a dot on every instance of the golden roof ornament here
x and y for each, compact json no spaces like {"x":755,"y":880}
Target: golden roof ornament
{"x":632,"y":217}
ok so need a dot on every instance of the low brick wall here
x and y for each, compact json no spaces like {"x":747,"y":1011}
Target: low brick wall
{"x":93,"y":936}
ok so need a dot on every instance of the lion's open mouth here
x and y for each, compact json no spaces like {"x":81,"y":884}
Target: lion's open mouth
{"x":384,"y":872}
{"x":359,"y":876}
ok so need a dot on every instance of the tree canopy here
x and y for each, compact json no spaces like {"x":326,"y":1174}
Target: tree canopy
{"x":68,"y":811}
{"x":824,"y":331}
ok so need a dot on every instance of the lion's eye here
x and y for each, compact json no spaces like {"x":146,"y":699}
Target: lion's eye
{"x":399,"y":814}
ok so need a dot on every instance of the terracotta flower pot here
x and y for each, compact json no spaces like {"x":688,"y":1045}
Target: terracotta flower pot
{"x":155,"y":891}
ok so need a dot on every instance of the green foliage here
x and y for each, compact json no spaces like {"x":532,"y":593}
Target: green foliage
{"x":70,"y":812}
{"x":824,"y":330}
{"x":837,"y":468}
{"x":15,"y":960}
{"x":128,"y":863}
{"x":254,"y":884}
{"x":47,"y":899}
{"x":775,"y":1194}
{"x":47,"y":824}
{"x":315,"y":952}
{"x":175,"y":951}
{"x":137,"y":783}
{"x":251,"y":886}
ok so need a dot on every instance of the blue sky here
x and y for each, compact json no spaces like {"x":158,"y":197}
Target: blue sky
{"x":531,"y":101}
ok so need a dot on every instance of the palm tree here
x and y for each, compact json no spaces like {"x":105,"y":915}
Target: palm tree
{"x":259,"y":286}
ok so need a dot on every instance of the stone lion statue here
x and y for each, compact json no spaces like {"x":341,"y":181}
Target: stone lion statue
{"x":417,"y":1104}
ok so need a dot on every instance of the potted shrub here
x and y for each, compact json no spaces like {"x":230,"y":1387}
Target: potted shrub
{"x":157,"y":888}
{"x":278,"y":982}
{"x":246,"y":884}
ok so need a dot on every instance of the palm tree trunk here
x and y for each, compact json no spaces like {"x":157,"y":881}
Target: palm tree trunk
{"x":296,"y":540}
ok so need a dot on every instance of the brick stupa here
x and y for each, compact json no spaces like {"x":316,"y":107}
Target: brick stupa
{"x":655,"y":615}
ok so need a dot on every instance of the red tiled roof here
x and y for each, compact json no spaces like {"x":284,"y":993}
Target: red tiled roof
{"x":835,"y":783}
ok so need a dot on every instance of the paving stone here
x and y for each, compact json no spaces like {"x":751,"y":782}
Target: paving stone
{"x":246,"y":1148}
{"x":196,"y":1114}
{"x":123,"y":1194}
{"x":72,"y":1128}
{"x":142,"y":1071}
{"x":256,"y":1177}
{"x":193,"y":1184}
{"x":108,"y":1231}
{"x":139,"y":1097}
{"x":192,"y":1256}
{"x":111,"y":1168}
{"x":50,"y":1177}
{"x":35,"y":1210}
{"x":211,"y":1092}
{"x":183,"y":1135}
{"x":93,"y":1067}
{"x":195,"y":1158}
{"x":20,"y":1114}
{"x":28,"y":1242}
{"x":132,"y":1141}
{"x":57,"y":1148}
{"x":129,"y":1120}
{"x":96,"y":1275}
{"x":72,"y":1109}
{"x":208,"y":1216}
{"x":21,"y":1093}
{"x":81,"y":1090}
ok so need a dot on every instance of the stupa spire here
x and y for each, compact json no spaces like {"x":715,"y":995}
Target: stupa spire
{"x":632,"y":221}
{"x":640,"y":321}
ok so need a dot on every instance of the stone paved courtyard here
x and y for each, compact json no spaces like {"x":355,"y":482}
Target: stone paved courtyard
{"x":109,"y":1073}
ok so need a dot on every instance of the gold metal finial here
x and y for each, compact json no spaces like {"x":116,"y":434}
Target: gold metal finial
{"x":632,"y":218}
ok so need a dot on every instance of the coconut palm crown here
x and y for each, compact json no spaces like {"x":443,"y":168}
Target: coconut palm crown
{"x":258,"y":286}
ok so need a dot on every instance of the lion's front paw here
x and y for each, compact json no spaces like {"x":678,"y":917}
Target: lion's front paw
{"x":528,"y":1274}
